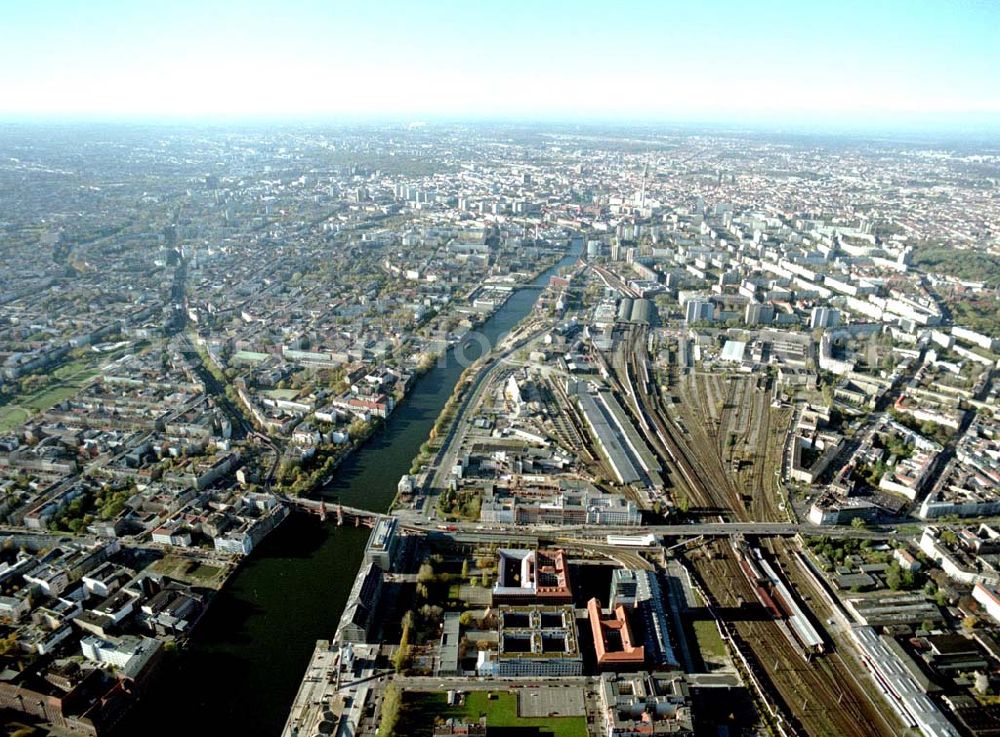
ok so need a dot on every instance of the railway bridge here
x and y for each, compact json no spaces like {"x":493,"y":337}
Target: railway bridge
{"x":341,"y":512}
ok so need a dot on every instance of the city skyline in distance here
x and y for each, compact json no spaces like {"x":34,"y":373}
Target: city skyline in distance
{"x":885,"y":65}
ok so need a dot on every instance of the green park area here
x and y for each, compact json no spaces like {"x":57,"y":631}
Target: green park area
{"x":23,"y":406}
{"x":61,"y":384}
{"x":500,"y":708}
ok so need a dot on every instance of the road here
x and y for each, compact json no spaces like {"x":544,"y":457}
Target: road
{"x":464,"y":683}
{"x":453,"y":442}
{"x":214,"y":388}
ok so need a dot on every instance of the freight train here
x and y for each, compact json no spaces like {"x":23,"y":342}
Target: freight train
{"x":777,"y":598}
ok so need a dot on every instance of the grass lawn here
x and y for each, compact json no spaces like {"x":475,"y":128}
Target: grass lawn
{"x":709,"y":640}
{"x":70,"y":369}
{"x":205,"y":572}
{"x":72,"y":377}
{"x":288,"y":394}
{"x":501,"y":713}
{"x":189,"y":571}
{"x":50,"y":397}
{"x":12,"y":418}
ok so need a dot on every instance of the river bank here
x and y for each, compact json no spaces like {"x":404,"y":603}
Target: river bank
{"x":242,"y":669}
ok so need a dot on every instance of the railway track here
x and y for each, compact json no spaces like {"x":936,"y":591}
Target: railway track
{"x":613,"y":281}
{"x":705,"y":450}
{"x":843,"y":668}
{"x":817,"y":697}
{"x":630,"y":366}
{"x":633,"y":381}
{"x":726,"y":417}
{"x":766,"y":495}
{"x":567,"y":425}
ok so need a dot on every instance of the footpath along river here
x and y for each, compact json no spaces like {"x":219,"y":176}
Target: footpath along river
{"x":240,"y":673}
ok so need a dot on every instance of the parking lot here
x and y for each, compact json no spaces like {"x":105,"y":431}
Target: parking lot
{"x":550,"y":702}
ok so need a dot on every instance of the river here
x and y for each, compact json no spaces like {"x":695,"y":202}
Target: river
{"x":240,"y":672}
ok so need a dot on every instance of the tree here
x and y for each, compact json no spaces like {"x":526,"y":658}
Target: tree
{"x":431,"y":615}
{"x":970,"y":622}
{"x":426,"y":573}
{"x":358,"y":429}
{"x":402,"y":656}
{"x":408,"y":620}
{"x":392,"y":702}
{"x":858,"y":523}
{"x":8,"y":644}
{"x":893,"y":579}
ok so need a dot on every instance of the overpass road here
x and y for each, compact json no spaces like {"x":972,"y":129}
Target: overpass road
{"x":599,"y":533}
{"x":472,"y":531}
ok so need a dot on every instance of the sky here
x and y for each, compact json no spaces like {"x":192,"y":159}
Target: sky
{"x":856,"y":61}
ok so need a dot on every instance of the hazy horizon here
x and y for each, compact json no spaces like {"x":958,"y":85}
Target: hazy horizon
{"x":882,"y":66}
{"x":945,"y":131}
